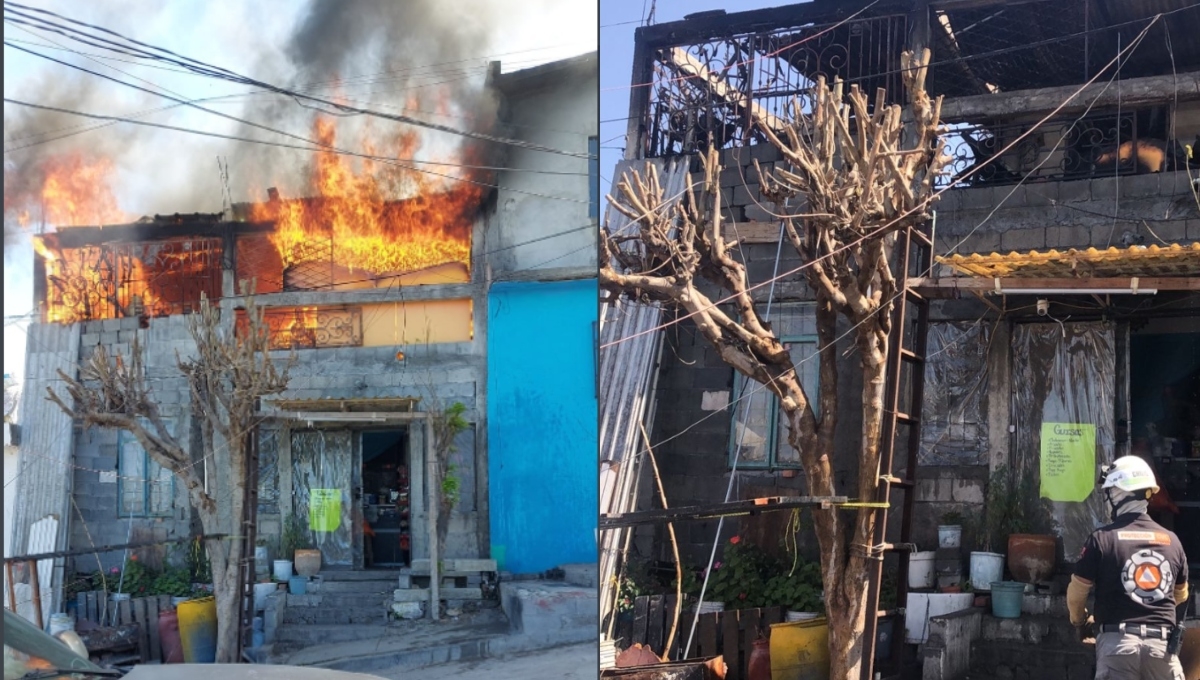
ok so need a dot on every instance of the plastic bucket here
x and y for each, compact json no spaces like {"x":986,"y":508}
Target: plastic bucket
{"x":198,"y":630}
{"x":1007,"y":597}
{"x":920,"y":570}
{"x":793,"y":617}
{"x":298,"y":585}
{"x":60,"y":623}
{"x":986,"y":568}
{"x":949,"y":536}
{"x":283,"y":570}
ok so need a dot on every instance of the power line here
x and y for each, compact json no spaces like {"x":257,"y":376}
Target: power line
{"x":928,"y":201}
{"x":225,"y":74}
{"x":310,"y":149}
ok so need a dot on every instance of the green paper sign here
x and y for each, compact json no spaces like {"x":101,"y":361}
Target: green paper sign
{"x":324,"y":510}
{"x":1068,"y":461}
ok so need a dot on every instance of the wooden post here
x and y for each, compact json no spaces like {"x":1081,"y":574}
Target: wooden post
{"x":12,"y":588}
{"x":432,"y":490}
{"x":37,"y":594}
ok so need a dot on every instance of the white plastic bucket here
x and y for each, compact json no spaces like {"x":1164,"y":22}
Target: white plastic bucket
{"x":920,"y":570}
{"x":261,"y":591}
{"x":986,"y":567}
{"x":949,"y":536}
{"x":60,"y":623}
{"x":801,"y":616}
{"x":283,"y":570}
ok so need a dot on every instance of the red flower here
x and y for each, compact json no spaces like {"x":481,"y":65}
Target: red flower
{"x":742,"y":596}
{"x":133,"y":558}
{"x":735,"y":540}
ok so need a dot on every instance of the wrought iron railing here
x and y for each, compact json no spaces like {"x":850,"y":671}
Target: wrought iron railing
{"x":708,"y":93}
{"x":140,"y":279}
{"x":309,"y":327}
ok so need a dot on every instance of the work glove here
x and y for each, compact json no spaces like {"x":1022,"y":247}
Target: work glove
{"x":1087,"y":630}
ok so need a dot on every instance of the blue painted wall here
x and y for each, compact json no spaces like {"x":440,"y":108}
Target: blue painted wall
{"x":542,"y":432}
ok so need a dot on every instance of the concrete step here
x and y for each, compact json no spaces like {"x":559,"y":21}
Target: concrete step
{"x":996,"y":659}
{"x":363,"y":575}
{"x":320,"y":634}
{"x":335,"y":615}
{"x":357,"y":587}
{"x":584,"y":575}
{"x":550,"y":613}
{"x":336,"y":600}
{"x":1037,"y":630}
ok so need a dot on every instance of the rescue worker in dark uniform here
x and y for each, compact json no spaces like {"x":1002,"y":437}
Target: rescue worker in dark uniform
{"x":1140,"y":575}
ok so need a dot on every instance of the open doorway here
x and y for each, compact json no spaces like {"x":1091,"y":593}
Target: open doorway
{"x":1164,"y":390}
{"x":386,"y":498}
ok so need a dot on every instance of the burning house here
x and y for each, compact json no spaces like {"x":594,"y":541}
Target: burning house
{"x":1063,"y":289}
{"x":395,"y":288}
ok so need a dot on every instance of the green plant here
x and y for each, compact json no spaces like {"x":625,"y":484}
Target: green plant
{"x":799,"y":590}
{"x":740,"y":579}
{"x":451,"y":485}
{"x":136,"y":580}
{"x":83,"y":583}
{"x":634,"y":582}
{"x":1014,"y":506}
{"x":448,"y":424}
{"x":295,"y":537}
{"x":691,"y":583}
{"x":173,"y":581}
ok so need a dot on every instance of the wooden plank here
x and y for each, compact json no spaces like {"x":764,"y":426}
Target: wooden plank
{"x":624,"y":631}
{"x":750,"y":625}
{"x":81,"y":607}
{"x":125,"y":613}
{"x":164,"y":604}
{"x":654,"y":626}
{"x":753,"y":232}
{"x":88,"y":606}
{"x":11,"y":582}
{"x":641,"y":606}
{"x":707,"y":634}
{"x":152,"y":624}
{"x":139,"y":613}
{"x":729,"y":644}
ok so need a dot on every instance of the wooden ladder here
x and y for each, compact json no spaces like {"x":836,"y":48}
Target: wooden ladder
{"x":906,"y":350}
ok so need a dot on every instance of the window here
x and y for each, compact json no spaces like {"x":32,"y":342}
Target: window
{"x":758,"y":437}
{"x":594,"y":177}
{"x":146,"y":489}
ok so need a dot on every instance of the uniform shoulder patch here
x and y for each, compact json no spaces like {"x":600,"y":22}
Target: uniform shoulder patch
{"x":1152,"y":537}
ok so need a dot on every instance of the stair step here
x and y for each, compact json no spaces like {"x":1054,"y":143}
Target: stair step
{"x":314,"y":634}
{"x":331,"y":615}
{"x":335,"y":600}
{"x":359,"y":587}
{"x":365,"y":575}
{"x":1037,"y":630}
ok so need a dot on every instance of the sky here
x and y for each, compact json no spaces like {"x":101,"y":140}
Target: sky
{"x":415,"y":51}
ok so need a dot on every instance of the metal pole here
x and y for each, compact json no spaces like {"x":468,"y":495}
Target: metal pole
{"x":37,"y":594}
{"x":432,"y":493}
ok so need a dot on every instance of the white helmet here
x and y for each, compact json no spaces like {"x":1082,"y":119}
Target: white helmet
{"x":1128,"y":473}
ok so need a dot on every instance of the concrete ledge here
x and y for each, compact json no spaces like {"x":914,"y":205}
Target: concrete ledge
{"x":947,"y":653}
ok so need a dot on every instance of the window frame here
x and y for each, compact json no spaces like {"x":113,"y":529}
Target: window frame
{"x":125,"y":437}
{"x":740,"y":382}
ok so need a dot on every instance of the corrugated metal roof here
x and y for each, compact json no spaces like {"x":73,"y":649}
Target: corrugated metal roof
{"x":1174,"y":260}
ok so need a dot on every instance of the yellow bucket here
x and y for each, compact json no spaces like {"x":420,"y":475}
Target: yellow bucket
{"x":198,"y":630}
{"x":800,"y":650}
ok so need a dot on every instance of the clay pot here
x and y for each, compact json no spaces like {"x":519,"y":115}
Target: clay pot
{"x":759,"y":665}
{"x":982,"y":600}
{"x":308,"y":562}
{"x":1031,"y":557}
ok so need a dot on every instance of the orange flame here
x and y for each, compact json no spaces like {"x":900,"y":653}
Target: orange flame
{"x":78,"y":190}
{"x":355,"y":218}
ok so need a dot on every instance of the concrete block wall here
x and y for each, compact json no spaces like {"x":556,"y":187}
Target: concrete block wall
{"x":95,"y":486}
{"x":741,"y":200}
{"x":944,"y":489}
{"x":1158,"y":208}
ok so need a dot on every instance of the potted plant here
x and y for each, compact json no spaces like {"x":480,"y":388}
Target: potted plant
{"x":798,"y":589}
{"x":307,"y":558}
{"x":1032,"y":545}
{"x":738,"y":579}
{"x":293,"y":538}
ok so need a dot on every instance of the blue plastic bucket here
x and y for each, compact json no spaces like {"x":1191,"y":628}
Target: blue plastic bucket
{"x":1007,"y":597}
{"x":298,"y":585}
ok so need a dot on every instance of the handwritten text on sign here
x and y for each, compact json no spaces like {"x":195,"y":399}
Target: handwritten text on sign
{"x":324,"y":510}
{"x":1068,"y":461}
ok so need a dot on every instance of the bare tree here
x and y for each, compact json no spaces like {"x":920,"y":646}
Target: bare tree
{"x":228,"y":374}
{"x":865,"y":173}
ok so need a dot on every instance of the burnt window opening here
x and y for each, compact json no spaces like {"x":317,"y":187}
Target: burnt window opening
{"x":141,"y":279}
{"x":1101,"y":144}
{"x":308,"y":327}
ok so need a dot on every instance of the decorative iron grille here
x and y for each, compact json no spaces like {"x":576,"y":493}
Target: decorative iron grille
{"x":1101,"y":145}
{"x":710,"y":92}
{"x":309,"y":327}
{"x":258,"y":260}
{"x":139,"y":279}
